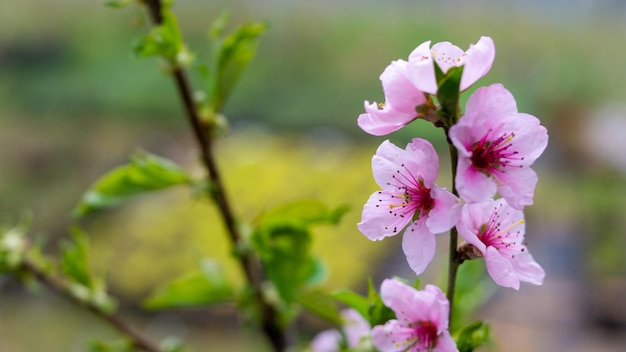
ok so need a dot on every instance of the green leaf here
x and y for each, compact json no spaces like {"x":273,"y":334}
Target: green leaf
{"x":353,"y":300}
{"x":448,"y":93}
{"x":120,"y":345}
{"x":117,"y":3}
{"x":378,"y":313}
{"x":164,"y":40}
{"x":472,"y":336}
{"x":75,"y":259}
{"x":282,"y":239}
{"x":208,"y":285}
{"x":320,"y":303}
{"x":145,"y":173}
{"x":473,"y":288}
{"x":232,"y":55}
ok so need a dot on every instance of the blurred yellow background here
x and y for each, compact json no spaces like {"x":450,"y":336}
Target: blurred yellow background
{"x":74,"y":103}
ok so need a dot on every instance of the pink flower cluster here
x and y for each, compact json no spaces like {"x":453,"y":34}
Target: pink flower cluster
{"x":493,"y":147}
{"x":495,"y":144}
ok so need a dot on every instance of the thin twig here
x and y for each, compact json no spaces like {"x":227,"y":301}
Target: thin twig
{"x":249,"y":263}
{"x":60,"y":286}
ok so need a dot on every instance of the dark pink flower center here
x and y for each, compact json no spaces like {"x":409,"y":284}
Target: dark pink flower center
{"x":506,"y":242}
{"x":489,"y":155}
{"x":406,"y":196}
{"x":426,"y":333}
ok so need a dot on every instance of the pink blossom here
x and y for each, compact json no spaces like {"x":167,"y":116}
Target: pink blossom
{"x":496,"y":147}
{"x":422,"y":320}
{"x":496,"y":230}
{"x":401,"y":100}
{"x":409,"y":197}
{"x":477,"y":61}
{"x":355,"y":327}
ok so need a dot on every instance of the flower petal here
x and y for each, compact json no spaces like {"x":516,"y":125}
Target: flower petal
{"x":399,"y":91}
{"x":409,"y":304}
{"x":473,"y":186}
{"x":478,"y":61}
{"x":527,"y":269}
{"x":446,"y":211}
{"x":441,"y":312}
{"x":531,"y":139}
{"x":447,"y":55}
{"x":326,"y":341}
{"x":445,"y":343}
{"x":500,"y":269}
{"x":517,"y":186}
{"x":379,"y":122}
{"x":377,"y":222}
{"x":469,"y":225}
{"x":392,"y":337}
{"x":355,"y":326}
{"x":491,"y":102}
{"x":418,"y":244}
{"x":421,"y":70}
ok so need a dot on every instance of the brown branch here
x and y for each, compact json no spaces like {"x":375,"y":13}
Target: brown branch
{"x":61,"y":287}
{"x":202,"y":134}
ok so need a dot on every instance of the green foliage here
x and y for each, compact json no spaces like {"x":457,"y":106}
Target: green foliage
{"x":371,"y":307}
{"x":472,"y":336}
{"x":320,"y":303}
{"x":82,"y":283}
{"x":473,"y":289}
{"x":353,"y":300}
{"x":145,"y":173}
{"x":117,"y":3}
{"x":448,"y":93}
{"x":120,"y":345}
{"x":231,"y":55}
{"x":166,"y":41}
{"x":378,"y":312}
{"x":282,"y":239}
{"x":208,"y":285}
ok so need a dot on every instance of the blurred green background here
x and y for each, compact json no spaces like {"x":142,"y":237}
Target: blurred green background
{"x":74,"y":103}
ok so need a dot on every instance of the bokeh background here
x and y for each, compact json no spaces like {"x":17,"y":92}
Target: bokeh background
{"x":74,"y":103}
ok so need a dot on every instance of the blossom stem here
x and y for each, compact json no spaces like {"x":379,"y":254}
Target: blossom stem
{"x":249,"y":262}
{"x":454,"y":262}
{"x":59,"y":285}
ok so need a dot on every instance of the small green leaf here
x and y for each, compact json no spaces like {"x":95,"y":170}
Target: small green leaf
{"x":165,"y":41}
{"x":75,"y":259}
{"x":282,"y":239}
{"x":145,"y":173}
{"x":448,"y":93}
{"x":377,"y":311}
{"x":117,"y":3}
{"x":353,"y":300}
{"x":207,"y":285}
{"x":120,"y":345}
{"x":320,"y":303}
{"x":232,"y":55}
{"x":472,"y":336}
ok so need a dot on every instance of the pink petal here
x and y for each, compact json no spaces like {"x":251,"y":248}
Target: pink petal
{"x":326,"y":341}
{"x":399,"y":91}
{"x":517,"y":186}
{"x":446,"y":212}
{"x":527,"y":269}
{"x":440,"y":314}
{"x":531,"y":139}
{"x":422,"y":160}
{"x":473,"y":186}
{"x":381,"y":122}
{"x":376,"y":221}
{"x":421,"y":70}
{"x":500,"y":269}
{"x":418,"y":244}
{"x":447,"y":55}
{"x":478,"y":61}
{"x":355,"y":326}
{"x":489,"y":102}
{"x":392,"y":337}
{"x":445,"y":343}
{"x":403,"y":300}
{"x":469,"y":225}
